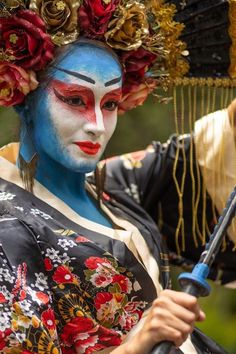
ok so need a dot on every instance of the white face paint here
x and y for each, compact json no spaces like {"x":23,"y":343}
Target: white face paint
{"x":80,"y":113}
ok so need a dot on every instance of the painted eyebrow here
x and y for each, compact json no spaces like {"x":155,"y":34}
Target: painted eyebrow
{"x":113,"y":81}
{"x":78,"y":75}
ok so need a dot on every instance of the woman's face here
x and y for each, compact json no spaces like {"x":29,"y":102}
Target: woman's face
{"x":76,"y":113}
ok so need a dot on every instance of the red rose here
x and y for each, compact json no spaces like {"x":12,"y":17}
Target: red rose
{"x":138,"y":60}
{"x":15,"y":83}
{"x":94,"y":16}
{"x":93,"y":262}
{"x":24,"y":36}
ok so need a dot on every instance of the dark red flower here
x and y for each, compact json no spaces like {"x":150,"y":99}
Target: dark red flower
{"x":84,"y":333}
{"x":94,"y":16}
{"x":24,"y":36}
{"x":102,"y":298}
{"x":15,"y":83}
{"x":124,"y":283}
{"x":63,"y":275}
{"x":93,"y":262}
{"x":138,"y":60}
{"x":48,"y":264}
{"x":48,"y":319}
{"x":4,"y":338}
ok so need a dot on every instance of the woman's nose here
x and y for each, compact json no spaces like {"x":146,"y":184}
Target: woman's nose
{"x":97,"y":127}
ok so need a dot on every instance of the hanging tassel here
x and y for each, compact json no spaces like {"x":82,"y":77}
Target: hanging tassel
{"x":27,"y":171}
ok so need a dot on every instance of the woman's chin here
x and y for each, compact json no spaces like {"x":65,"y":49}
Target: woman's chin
{"x":83,"y":165}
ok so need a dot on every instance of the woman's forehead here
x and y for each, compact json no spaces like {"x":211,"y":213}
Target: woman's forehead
{"x":90,"y":63}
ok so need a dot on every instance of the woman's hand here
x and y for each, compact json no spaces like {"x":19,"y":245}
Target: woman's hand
{"x":171,"y":318}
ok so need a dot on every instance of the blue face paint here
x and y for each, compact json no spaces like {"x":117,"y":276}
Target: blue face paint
{"x":73,"y":118}
{"x":58,"y":124}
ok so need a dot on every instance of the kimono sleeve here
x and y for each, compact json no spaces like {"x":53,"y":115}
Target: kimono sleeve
{"x":27,"y":323}
{"x":166,"y":181}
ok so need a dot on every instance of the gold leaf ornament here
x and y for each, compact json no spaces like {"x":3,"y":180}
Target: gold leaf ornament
{"x":60,"y":17}
{"x":129,"y":28}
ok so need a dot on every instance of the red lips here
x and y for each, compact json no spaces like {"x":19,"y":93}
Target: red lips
{"x":88,"y":147}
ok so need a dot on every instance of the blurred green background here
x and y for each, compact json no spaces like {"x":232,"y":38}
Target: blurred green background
{"x":154,"y":121}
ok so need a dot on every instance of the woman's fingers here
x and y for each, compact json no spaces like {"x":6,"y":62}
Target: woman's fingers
{"x":187,"y":308}
{"x":171,"y":318}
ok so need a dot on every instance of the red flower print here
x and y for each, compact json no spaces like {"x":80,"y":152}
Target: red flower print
{"x":48,"y":264}
{"x":88,"y":336}
{"x":106,"y":196}
{"x":24,"y":35}
{"x":81,"y":239}
{"x":124,"y":283}
{"x":2,"y":298}
{"x":93,"y":262}
{"x":101,"y":280}
{"x":42,"y":297}
{"x":108,"y":306}
{"x":4,"y":337}
{"x":131,"y":316}
{"x":64,"y":275}
{"x":22,"y":295}
{"x":102,"y":298}
{"x":48,"y":319}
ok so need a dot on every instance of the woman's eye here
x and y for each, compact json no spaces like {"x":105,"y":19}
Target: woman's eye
{"x":72,"y":101}
{"x":110,"y":105}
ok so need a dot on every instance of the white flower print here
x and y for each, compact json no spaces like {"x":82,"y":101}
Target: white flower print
{"x":20,"y":337}
{"x":19,"y":208}
{"x":65,"y":243}
{"x":5,"y":319}
{"x":37,"y":212}
{"x":26,"y":308}
{"x":5,"y":293}
{"x":52,"y":254}
{"x":64,"y":258}
{"x":5,"y":274}
{"x":6,"y":196}
{"x":133,"y":192}
{"x":41,"y":281}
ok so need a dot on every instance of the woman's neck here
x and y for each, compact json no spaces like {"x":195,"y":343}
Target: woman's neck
{"x":69,"y":186}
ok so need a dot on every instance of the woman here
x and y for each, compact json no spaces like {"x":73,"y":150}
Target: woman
{"x":79,"y":266}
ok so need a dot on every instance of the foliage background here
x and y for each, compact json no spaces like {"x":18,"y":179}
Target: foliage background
{"x":135,"y":130}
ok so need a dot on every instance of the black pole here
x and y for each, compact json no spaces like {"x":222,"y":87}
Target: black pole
{"x":194,"y":283}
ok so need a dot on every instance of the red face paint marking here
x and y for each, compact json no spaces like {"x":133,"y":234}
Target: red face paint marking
{"x":76,"y":98}
{"x":112,"y":96}
{"x":88,"y":147}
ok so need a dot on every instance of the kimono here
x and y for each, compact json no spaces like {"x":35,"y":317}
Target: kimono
{"x":69,"y":285}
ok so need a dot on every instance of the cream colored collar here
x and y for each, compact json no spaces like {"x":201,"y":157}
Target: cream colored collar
{"x":216,"y":154}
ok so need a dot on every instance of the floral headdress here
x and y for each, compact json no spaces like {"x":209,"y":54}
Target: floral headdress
{"x":141,"y":32}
